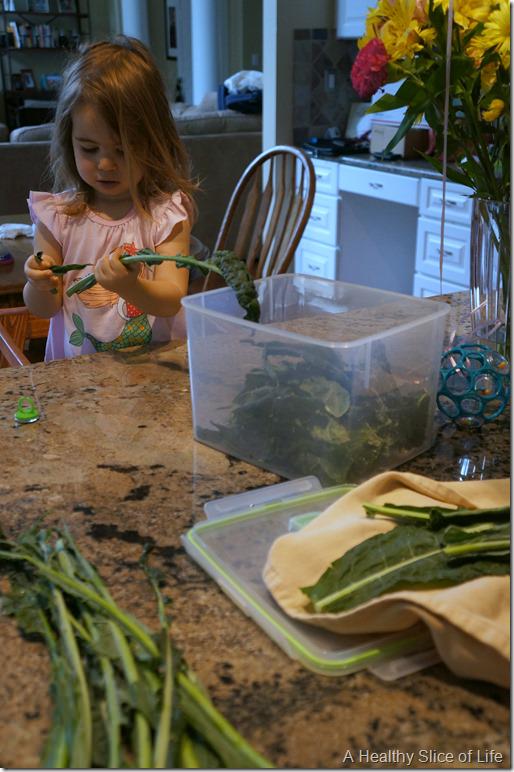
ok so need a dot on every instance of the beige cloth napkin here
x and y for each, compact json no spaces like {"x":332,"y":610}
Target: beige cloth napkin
{"x":469,"y":622}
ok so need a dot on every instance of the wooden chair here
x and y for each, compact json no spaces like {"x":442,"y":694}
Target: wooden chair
{"x":17,"y":327}
{"x":267,"y":212}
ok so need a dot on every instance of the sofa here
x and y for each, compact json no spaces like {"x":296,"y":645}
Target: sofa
{"x":220,"y":143}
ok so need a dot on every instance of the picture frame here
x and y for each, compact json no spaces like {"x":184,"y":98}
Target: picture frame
{"x":27,"y":78}
{"x":171,"y":27}
{"x":51,"y":82}
{"x":66,"y":6}
{"x":16,"y":81}
{"x":39,"y":6}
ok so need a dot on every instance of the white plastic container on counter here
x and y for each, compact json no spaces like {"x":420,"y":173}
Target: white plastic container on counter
{"x":337,"y":380}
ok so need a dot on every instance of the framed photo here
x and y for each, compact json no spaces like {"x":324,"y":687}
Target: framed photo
{"x":171,"y":20}
{"x":16,"y":82}
{"x":51,"y":82}
{"x":66,"y":6}
{"x":27,"y":78}
{"x":39,"y":6}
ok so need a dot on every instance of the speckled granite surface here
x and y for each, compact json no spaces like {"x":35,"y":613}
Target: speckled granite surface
{"x":114,"y":457}
{"x":412,"y":167}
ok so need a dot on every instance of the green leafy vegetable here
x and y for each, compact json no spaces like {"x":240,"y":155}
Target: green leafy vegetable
{"x":437,"y":517}
{"x":413,"y":557}
{"x":324,"y":422}
{"x":225,"y":263}
{"x":123,"y":696}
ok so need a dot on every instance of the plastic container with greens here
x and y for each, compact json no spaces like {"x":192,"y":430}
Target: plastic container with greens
{"x":337,"y":380}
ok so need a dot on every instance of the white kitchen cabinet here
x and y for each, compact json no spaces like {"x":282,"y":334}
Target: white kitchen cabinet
{"x":379,"y":213}
{"x":425,"y":286}
{"x":377,"y":184}
{"x":318,"y":251}
{"x":351,"y":17}
{"x":382,"y":229}
{"x":456,"y":260}
{"x":316,"y":259}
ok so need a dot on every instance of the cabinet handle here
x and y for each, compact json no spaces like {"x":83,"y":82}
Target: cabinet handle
{"x":447,"y":252}
{"x":319,"y":176}
{"x":315,"y":217}
{"x":449,"y":201}
{"x":376,"y":185}
{"x":313,"y":267}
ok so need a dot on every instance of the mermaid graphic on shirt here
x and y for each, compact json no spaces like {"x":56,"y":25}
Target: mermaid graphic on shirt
{"x":136,"y":330}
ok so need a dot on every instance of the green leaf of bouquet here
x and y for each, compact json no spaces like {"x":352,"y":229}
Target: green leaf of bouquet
{"x":386,"y":102}
{"x":453,"y":174}
{"x":409,"y":119}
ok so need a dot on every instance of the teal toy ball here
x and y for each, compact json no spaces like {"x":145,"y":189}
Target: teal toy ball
{"x":474,"y":384}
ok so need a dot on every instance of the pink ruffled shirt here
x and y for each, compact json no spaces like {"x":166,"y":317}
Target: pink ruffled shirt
{"x":97,"y":319}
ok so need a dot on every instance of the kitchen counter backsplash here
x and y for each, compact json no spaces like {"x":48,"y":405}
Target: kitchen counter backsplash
{"x":322,"y":89}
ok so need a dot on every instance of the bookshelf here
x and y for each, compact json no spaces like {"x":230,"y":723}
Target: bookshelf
{"x":35,"y":38}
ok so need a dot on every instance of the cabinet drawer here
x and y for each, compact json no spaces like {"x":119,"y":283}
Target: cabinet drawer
{"x":323,"y":221}
{"x":426,"y":286}
{"x":458,"y":204}
{"x":316,"y":259}
{"x":389,"y":187}
{"x":455,"y":250}
{"x":326,"y":177}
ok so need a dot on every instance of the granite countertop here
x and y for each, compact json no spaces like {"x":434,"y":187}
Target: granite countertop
{"x":113,"y":455}
{"x":414,"y":167}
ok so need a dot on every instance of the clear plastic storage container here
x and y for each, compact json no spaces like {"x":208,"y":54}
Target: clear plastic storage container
{"x":336,"y":380}
{"x":232,"y":547}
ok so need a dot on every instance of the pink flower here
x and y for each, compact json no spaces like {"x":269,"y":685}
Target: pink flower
{"x":369,"y":70}
{"x":129,"y":249}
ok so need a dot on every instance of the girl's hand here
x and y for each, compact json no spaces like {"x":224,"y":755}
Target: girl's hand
{"x":113,"y":275}
{"x":39,"y":275}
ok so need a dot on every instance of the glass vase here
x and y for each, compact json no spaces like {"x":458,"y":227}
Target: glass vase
{"x":490,"y":273}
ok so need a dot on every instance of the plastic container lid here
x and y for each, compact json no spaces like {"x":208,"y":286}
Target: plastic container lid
{"x":232,"y":548}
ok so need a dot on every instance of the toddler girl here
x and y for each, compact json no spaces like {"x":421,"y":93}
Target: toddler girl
{"x":123,"y":175}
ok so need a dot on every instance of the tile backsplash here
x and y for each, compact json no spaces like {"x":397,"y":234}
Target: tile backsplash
{"x":322,"y":89}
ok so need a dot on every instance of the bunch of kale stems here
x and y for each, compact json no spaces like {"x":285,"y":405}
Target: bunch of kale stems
{"x":222,"y":262}
{"x":123,"y":697}
{"x":429,"y":547}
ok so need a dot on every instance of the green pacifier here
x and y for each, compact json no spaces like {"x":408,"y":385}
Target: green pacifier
{"x":27,"y":411}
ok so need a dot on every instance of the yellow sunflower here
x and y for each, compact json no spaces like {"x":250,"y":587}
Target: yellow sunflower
{"x":398,"y":24}
{"x":496,"y":32}
{"x":495,"y":109}
{"x":467,"y":13}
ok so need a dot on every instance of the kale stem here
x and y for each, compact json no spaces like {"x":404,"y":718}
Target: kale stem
{"x":83,"y":736}
{"x":235,"y":752}
{"x":376,"y":509}
{"x":142,"y":742}
{"x":81,"y":590}
{"x":162,"y":740}
{"x":453,"y":550}
{"x":113,"y":721}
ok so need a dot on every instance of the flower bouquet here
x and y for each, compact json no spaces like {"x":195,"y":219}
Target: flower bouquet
{"x":452,"y":63}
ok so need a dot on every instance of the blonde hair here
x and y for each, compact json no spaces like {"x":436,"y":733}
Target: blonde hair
{"x":120,"y":78}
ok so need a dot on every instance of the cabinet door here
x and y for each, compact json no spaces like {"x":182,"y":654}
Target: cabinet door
{"x":455,"y":250}
{"x":459,"y":205}
{"x":323,"y":221}
{"x":351,"y":17}
{"x":326,"y":176}
{"x":316,"y":259}
{"x":426,"y":286}
{"x":386,"y":186}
